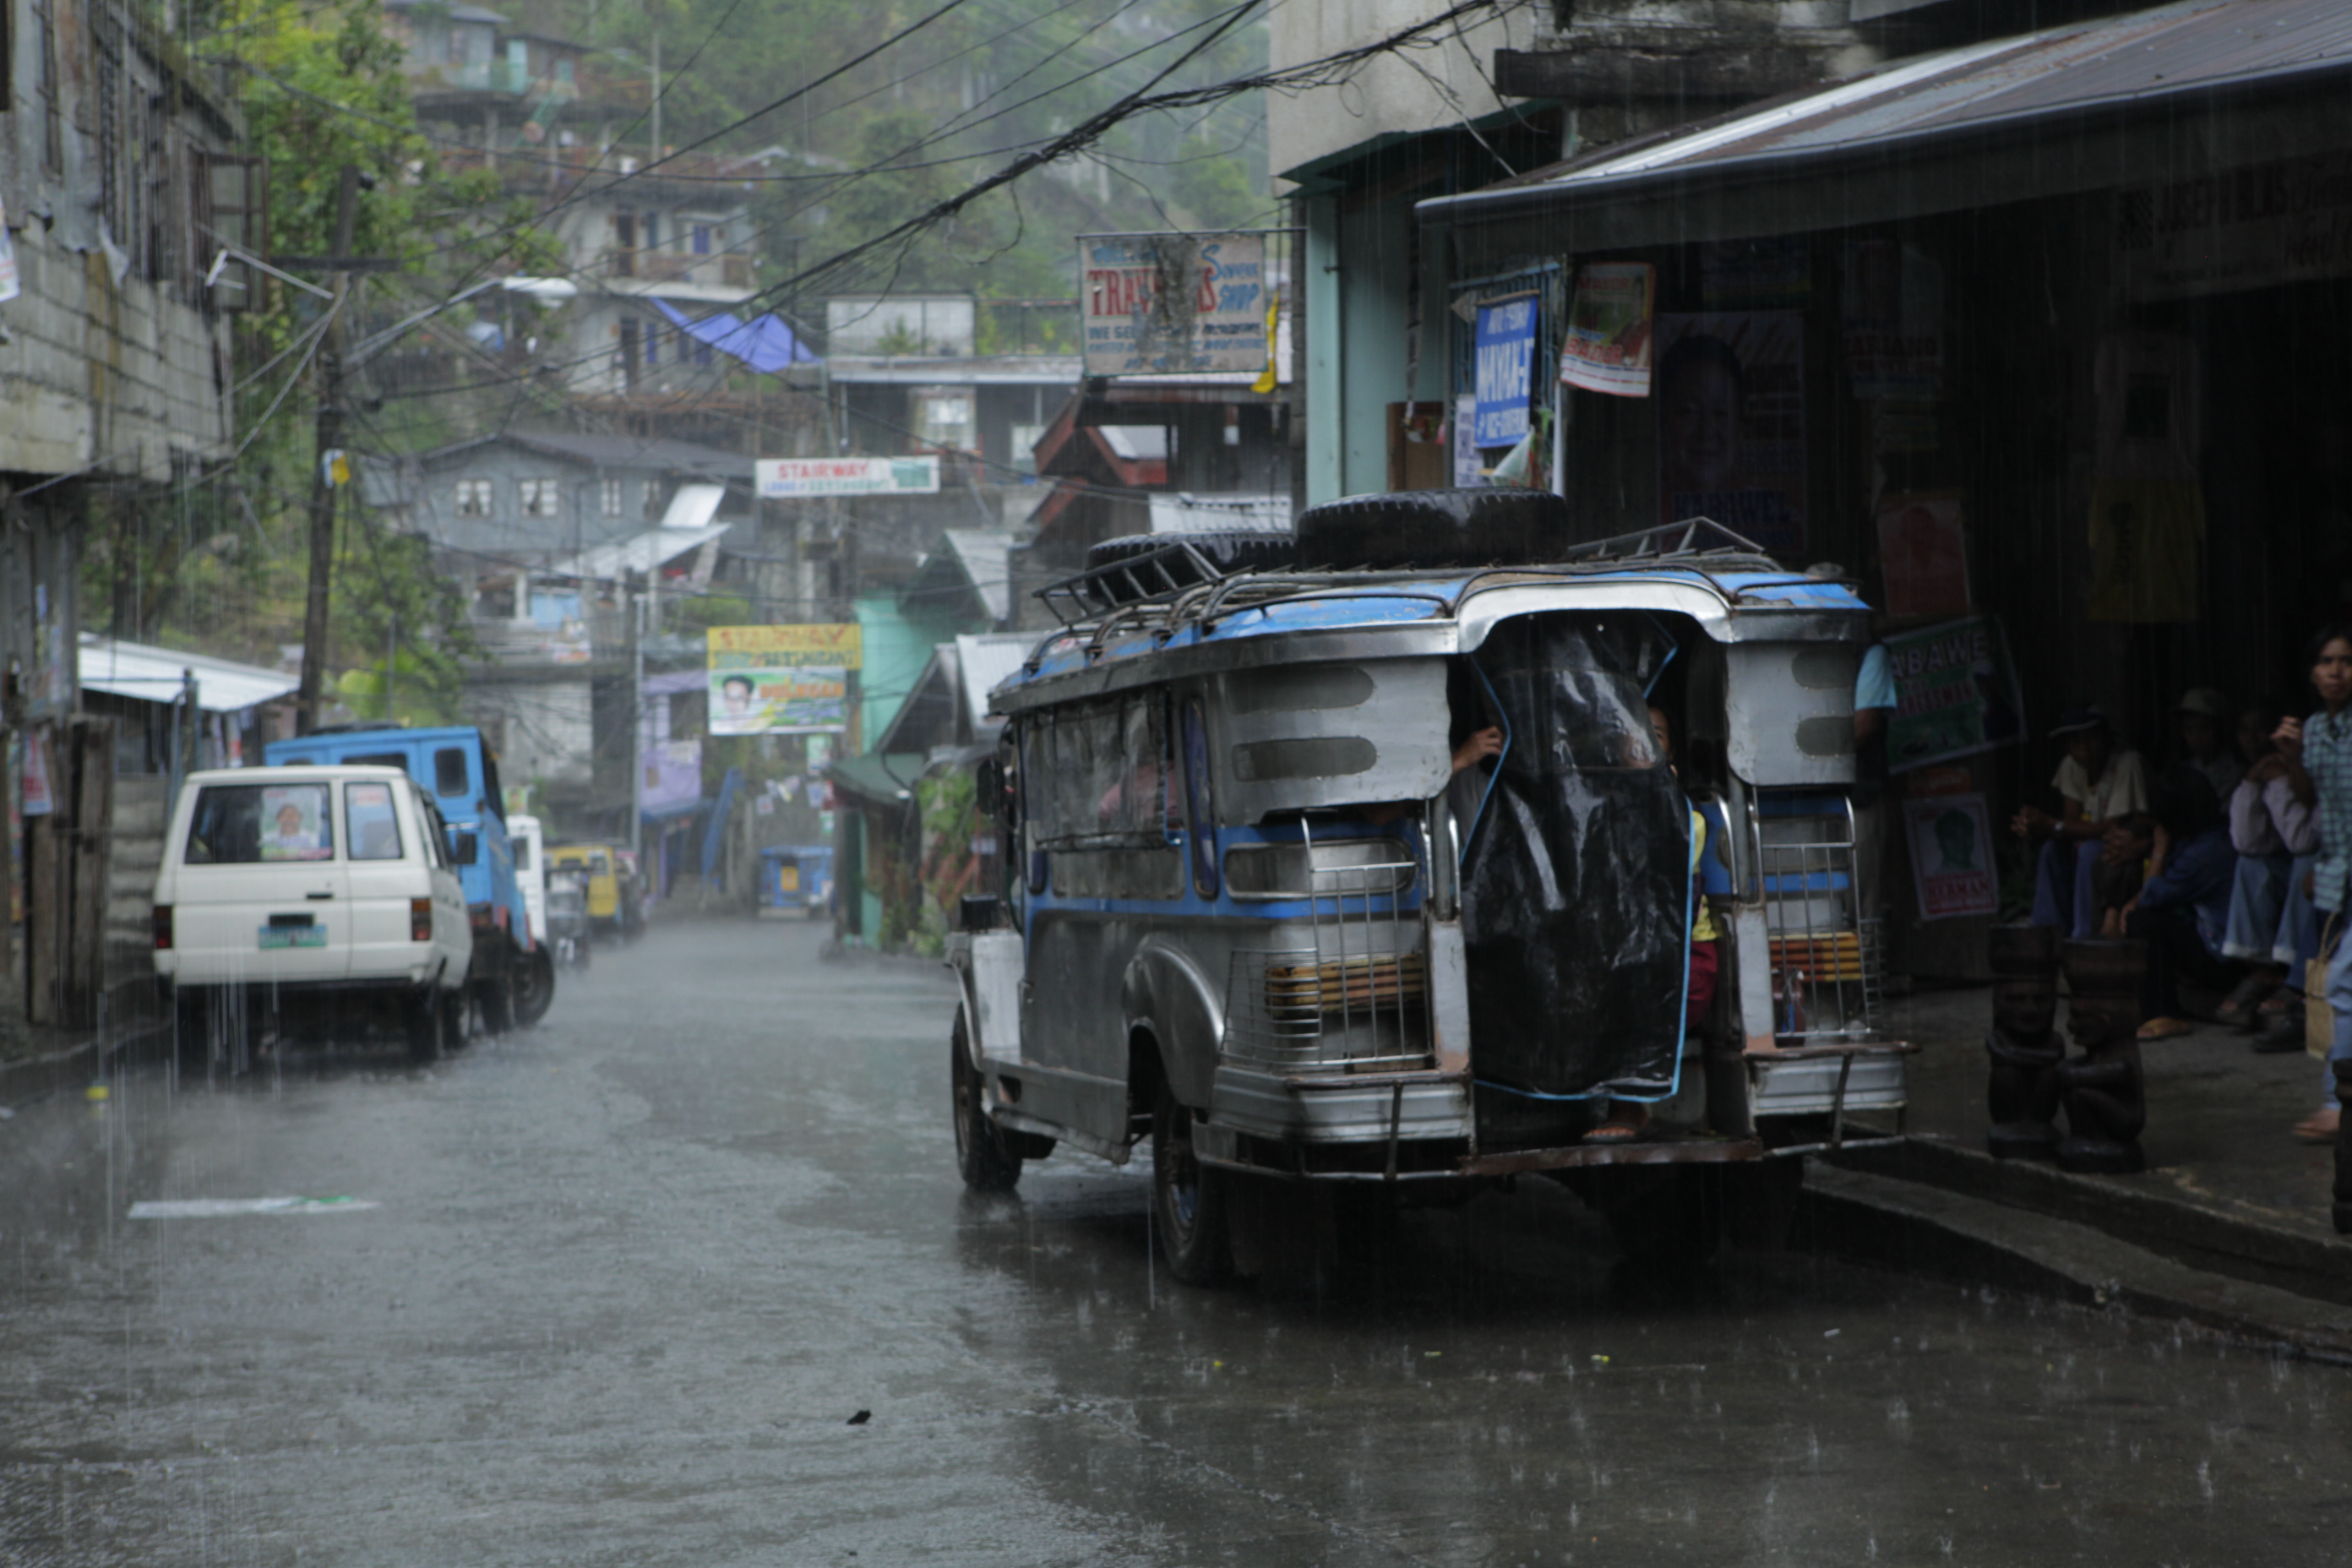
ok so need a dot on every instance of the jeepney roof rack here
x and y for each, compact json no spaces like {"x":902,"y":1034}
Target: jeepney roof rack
{"x":1176,"y":583}
{"x":1700,"y":538}
{"x":1154,"y":575}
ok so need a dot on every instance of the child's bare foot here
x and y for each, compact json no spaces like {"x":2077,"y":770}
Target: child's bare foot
{"x":2319,"y":1127}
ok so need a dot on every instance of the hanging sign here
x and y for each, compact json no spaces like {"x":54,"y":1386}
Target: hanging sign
{"x":1731,"y":423}
{"x":793,"y":478}
{"x":1609,"y":330}
{"x":1955,"y":693}
{"x":36,"y":799}
{"x":1155,"y":304}
{"x":1923,"y":551}
{"x":781,"y":680}
{"x":1505,"y":359}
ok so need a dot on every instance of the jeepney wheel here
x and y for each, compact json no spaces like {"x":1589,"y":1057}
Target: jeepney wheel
{"x":1663,"y":1217}
{"x":428,"y":1029}
{"x":1191,"y":1205}
{"x":987,"y":1165}
{"x":537,"y":993}
{"x":496,"y":995}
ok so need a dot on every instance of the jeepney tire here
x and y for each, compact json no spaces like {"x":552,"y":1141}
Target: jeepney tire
{"x":428,"y":1028}
{"x":1191,"y":1203}
{"x":454,"y":1015}
{"x":1665,"y":1218}
{"x":496,"y":997}
{"x":1227,"y":551}
{"x":982,"y":1156}
{"x":538,"y":990}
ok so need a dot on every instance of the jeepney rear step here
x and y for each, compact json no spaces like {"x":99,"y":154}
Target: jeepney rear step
{"x":1828,"y":1077}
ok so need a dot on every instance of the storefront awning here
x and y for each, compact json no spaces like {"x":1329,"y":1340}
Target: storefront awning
{"x":158,"y":675}
{"x":2167,"y":94}
{"x":885,"y":780}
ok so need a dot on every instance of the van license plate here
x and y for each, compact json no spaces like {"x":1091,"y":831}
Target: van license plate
{"x":788,"y":879}
{"x":293,"y":936}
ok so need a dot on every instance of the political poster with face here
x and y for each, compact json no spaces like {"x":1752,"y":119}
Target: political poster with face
{"x":1731,"y":423}
{"x":781,"y":680}
{"x":1952,"y":856}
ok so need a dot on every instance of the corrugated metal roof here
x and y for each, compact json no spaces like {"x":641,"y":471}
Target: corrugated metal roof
{"x":607,"y":562}
{"x":153,"y":675}
{"x":2142,"y":58}
{"x":987,"y":659}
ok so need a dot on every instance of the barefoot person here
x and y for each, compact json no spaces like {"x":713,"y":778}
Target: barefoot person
{"x":2317,"y":753}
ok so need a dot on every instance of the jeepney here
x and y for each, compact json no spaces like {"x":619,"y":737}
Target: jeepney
{"x":1255,"y":916}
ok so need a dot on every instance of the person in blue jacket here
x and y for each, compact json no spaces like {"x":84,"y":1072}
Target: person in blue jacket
{"x":2183,"y":909}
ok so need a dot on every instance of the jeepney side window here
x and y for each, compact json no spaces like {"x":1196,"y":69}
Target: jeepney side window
{"x":1198,"y":805}
{"x":1099,"y":773}
{"x":1030,"y":753}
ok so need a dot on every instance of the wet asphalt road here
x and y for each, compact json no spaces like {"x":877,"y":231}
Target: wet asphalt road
{"x":631,"y":1273}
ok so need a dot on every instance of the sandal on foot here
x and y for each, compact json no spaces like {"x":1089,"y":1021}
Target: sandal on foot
{"x":1623,"y":1127}
{"x":2166,"y":1028}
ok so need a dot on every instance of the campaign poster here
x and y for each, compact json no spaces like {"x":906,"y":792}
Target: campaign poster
{"x":1892,"y":314}
{"x":781,"y":681}
{"x":1731,"y":423}
{"x":1607,"y":348}
{"x":1952,"y":856}
{"x":1467,"y":475}
{"x":1955,"y":693}
{"x":1923,"y":554}
{"x":1503,"y":369}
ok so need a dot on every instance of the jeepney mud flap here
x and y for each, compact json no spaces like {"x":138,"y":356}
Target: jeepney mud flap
{"x":1575,"y":881}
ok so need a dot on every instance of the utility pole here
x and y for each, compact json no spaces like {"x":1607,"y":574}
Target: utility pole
{"x":330,"y":436}
{"x":658,"y":87}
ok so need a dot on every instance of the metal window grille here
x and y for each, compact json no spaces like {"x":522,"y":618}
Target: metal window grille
{"x":1827,"y":960}
{"x":1355,"y":1000}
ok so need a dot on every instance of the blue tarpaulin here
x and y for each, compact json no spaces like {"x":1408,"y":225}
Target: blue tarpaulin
{"x":766,"y":345}
{"x":715,"y":836}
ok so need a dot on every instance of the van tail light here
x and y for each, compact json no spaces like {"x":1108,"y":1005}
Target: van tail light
{"x":420,"y":919}
{"x":162,"y":928}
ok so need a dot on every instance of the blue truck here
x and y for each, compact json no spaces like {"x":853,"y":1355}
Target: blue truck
{"x":513,"y":976}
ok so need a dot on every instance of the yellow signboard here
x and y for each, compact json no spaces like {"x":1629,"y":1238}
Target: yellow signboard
{"x":785,"y":648}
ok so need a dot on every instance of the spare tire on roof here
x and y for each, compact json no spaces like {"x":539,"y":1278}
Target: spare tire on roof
{"x":1436,"y":528}
{"x":1228,"y":551}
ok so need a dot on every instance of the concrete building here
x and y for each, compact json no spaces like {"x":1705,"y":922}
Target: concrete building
{"x":124,"y":177}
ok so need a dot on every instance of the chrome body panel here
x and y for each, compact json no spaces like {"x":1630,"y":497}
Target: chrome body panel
{"x":1339,"y":1110}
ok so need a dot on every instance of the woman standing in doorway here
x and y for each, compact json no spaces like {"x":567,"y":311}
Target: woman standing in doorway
{"x":2318,"y":752}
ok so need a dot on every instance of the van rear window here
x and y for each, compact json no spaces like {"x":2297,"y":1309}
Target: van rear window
{"x":244,"y":825}
{"x":374,"y":825}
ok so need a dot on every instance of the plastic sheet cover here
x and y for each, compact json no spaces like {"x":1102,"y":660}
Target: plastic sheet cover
{"x":1575,"y":876}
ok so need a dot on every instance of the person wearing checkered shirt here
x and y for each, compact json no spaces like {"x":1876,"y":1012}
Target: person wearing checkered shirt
{"x":2318,"y":755}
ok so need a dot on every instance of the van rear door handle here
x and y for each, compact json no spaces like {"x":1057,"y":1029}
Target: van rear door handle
{"x":318,"y":895}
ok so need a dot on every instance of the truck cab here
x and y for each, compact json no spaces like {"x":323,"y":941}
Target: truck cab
{"x":513,"y":979}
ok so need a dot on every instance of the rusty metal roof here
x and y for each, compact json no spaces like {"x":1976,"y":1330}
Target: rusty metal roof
{"x":2150,"y":59}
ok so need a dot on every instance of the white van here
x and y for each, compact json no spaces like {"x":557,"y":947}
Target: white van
{"x":321,"y":894}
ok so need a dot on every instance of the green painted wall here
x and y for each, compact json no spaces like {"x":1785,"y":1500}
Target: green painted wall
{"x":1359,"y":258}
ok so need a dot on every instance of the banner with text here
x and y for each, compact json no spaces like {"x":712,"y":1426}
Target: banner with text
{"x":1156,"y":304}
{"x":1951,"y":855}
{"x":795,"y":478}
{"x":1955,"y":693}
{"x":781,"y":680}
{"x":1608,"y":344}
{"x":1503,"y":369}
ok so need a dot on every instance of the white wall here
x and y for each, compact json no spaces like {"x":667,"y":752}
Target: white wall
{"x":1416,"y":90}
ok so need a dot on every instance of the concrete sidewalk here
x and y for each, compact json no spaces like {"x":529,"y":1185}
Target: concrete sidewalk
{"x":2217,"y":1114}
{"x":2230,"y":1224}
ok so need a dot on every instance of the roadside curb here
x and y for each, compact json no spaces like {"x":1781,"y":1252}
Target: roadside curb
{"x":1928,"y":1229}
{"x":835,"y":950}
{"x":2237,"y":1246}
{"x":35,"y":1077}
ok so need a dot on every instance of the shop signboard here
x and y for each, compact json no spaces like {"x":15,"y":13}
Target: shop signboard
{"x":1955,"y":693}
{"x":1731,"y":423}
{"x":1951,"y":855}
{"x":781,"y":681}
{"x":2256,"y":227}
{"x":1504,"y":370}
{"x":798,"y":479}
{"x":1607,"y":348}
{"x":1160,"y":304}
